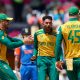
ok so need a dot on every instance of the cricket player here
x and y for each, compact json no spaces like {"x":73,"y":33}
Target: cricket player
{"x":28,"y":69}
{"x":44,"y":46}
{"x":70,"y":34}
{"x":6,"y":72}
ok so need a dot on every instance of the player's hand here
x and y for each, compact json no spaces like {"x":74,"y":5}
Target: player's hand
{"x":59,"y":65}
{"x":16,"y":69}
{"x":28,"y":40}
{"x":33,"y":58}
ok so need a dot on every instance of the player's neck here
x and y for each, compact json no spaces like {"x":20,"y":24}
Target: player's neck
{"x":73,"y":16}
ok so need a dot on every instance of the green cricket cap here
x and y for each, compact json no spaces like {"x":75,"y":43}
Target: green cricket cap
{"x":5,"y":17}
{"x":73,"y":10}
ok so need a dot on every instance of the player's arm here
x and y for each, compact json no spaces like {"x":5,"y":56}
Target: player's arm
{"x":6,"y":41}
{"x":35,"y":51}
{"x":58,"y":50}
{"x":13,"y":39}
{"x":35,"y":45}
{"x":17,"y":57}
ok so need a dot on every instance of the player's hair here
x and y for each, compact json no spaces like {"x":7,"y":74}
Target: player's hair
{"x":23,"y":32}
{"x":47,"y":17}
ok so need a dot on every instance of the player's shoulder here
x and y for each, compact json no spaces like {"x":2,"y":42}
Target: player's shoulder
{"x":70,"y":23}
{"x":64,"y":24}
{"x":39,"y":31}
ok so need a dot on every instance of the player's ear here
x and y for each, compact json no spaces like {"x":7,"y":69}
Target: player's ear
{"x":42,"y":24}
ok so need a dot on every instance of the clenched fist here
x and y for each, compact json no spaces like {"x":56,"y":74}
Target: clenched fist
{"x":33,"y":58}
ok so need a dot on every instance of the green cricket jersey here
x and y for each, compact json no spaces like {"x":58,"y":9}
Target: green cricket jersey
{"x":6,"y":41}
{"x":44,"y":43}
{"x":70,"y":33}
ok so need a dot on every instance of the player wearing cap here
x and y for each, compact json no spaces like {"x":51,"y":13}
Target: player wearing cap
{"x":70,"y":34}
{"x":6,"y":72}
{"x":28,"y":69}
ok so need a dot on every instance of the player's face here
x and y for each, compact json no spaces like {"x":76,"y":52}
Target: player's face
{"x":24,"y":35}
{"x":5,"y":24}
{"x":47,"y":24}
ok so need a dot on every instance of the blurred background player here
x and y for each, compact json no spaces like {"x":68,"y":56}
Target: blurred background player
{"x":28,"y":69}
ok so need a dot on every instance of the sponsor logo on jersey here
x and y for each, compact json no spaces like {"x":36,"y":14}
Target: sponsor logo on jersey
{"x":28,"y":51}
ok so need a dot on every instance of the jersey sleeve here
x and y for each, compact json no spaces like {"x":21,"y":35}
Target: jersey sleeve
{"x":17,"y":51}
{"x":8,"y":42}
{"x":13,"y":39}
{"x":35,"y":51}
{"x":58,"y":49}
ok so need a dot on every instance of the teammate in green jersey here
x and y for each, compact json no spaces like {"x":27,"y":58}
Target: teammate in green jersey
{"x":70,"y":34}
{"x":6,"y":72}
{"x":44,"y":44}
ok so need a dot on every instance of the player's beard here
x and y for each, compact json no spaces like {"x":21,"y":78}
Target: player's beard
{"x":48,"y":29}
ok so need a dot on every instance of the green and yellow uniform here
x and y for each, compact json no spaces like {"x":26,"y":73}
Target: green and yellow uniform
{"x":44,"y":45}
{"x":70,"y":34}
{"x":6,"y":72}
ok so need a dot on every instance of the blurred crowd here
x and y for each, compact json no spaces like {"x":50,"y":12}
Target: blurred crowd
{"x":31,"y":11}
